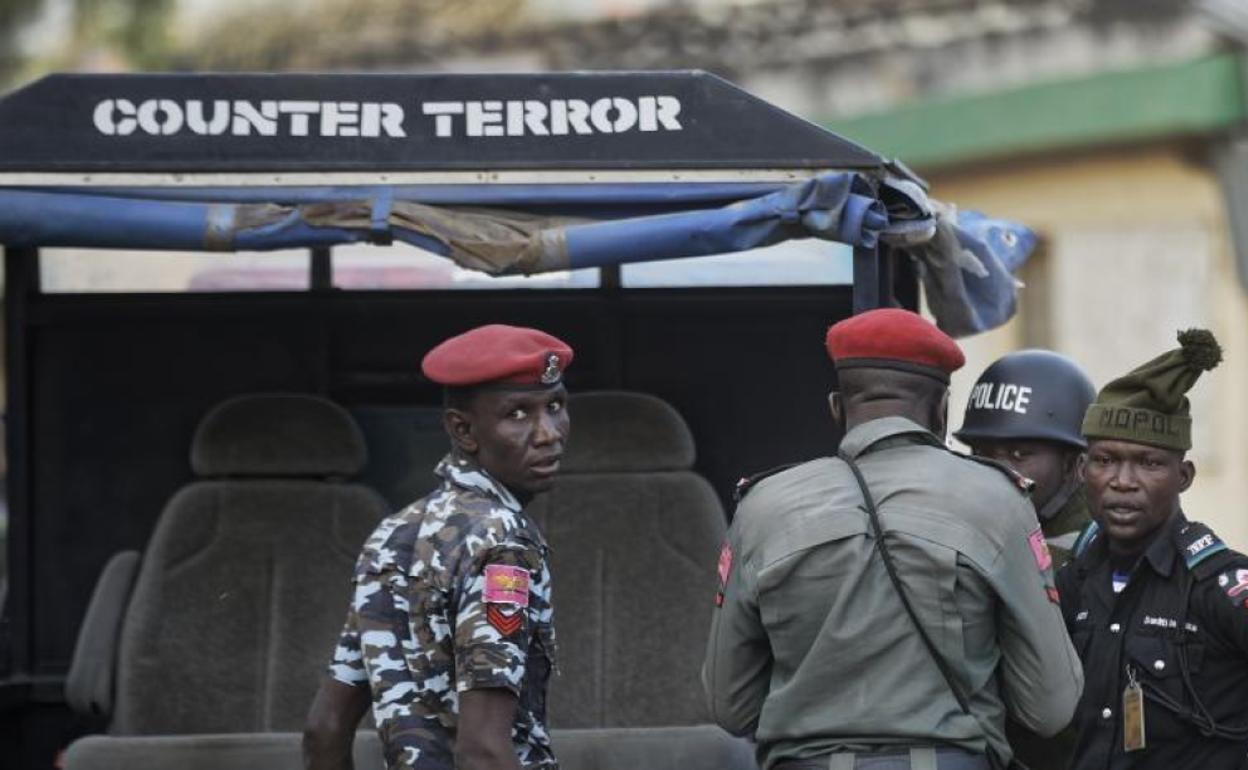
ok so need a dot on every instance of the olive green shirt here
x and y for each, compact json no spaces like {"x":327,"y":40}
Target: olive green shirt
{"x":1053,"y":753}
{"x":810,"y":649}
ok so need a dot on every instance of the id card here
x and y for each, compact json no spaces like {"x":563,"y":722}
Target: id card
{"x":1133,"y":714}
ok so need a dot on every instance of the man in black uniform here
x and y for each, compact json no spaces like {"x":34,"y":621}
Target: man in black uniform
{"x":1156,"y":604}
{"x":1026,"y":410}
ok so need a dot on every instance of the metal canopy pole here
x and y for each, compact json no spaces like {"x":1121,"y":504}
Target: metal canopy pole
{"x":873,"y":279}
{"x":21,"y":281}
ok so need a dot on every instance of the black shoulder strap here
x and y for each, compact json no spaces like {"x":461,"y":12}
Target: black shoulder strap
{"x":1204,"y":553}
{"x":881,"y":546}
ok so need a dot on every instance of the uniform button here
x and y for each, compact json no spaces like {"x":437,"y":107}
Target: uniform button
{"x":1114,"y":628}
{"x":1106,"y":713}
{"x":1159,"y":665}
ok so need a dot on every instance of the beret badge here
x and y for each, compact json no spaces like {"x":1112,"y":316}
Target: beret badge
{"x":551,"y":374}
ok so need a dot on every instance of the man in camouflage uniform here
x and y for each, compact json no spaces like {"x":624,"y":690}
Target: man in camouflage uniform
{"x":450,"y":631}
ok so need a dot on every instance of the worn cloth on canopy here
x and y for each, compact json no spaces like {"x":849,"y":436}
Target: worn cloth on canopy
{"x":542,"y":228}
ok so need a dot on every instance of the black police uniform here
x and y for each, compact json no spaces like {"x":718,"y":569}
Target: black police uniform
{"x":1180,"y":627}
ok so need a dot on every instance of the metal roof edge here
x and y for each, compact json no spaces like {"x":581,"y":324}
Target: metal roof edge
{"x":1193,"y":96}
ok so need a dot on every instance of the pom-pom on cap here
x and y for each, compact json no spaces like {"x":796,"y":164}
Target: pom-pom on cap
{"x":891,"y":338}
{"x":1200,"y":349}
{"x":497,"y":353}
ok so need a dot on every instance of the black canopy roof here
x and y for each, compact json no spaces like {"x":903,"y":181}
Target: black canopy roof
{"x":392,"y":122}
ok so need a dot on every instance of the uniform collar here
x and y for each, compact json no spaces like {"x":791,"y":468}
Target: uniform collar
{"x":868,"y":434}
{"x":1160,"y":554}
{"x":463,"y":471}
{"x":1163,"y":551}
{"x":1072,"y":517}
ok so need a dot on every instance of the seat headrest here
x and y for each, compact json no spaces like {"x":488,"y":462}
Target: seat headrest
{"x":278,"y":434}
{"x":616,"y":431}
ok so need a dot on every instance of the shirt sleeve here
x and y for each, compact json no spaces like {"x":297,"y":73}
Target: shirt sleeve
{"x":737,"y":669}
{"x":382,"y":624}
{"x":495,"y":616}
{"x":347,"y":665}
{"x":1041,"y":674}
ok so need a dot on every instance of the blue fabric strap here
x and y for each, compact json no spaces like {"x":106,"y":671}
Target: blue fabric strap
{"x":379,"y":224}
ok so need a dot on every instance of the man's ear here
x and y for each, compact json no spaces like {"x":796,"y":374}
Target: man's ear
{"x":1078,"y":462}
{"x":837,"y":407}
{"x":458,"y":425}
{"x":1187,"y":474}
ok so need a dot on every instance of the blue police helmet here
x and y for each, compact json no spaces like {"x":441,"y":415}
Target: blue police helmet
{"x":1030,"y":394}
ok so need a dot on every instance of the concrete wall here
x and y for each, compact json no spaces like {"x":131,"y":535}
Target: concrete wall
{"x":1135,"y":246}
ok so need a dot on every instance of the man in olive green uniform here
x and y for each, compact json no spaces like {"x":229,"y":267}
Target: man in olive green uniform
{"x":1026,"y":410}
{"x":812,"y":651}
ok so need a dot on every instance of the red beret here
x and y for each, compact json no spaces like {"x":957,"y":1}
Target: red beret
{"x":892,"y":338}
{"x":498,"y":353}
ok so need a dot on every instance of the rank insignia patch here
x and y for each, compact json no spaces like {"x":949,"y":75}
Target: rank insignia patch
{"x":1235,"y":584}
{"x":1040,"y":549}
{"x":724,"y":569}
{"x":505,"y":584}
{"x":506,"y":620}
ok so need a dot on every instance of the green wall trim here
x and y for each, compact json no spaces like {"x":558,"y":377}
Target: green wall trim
{"x":1189,"y":97}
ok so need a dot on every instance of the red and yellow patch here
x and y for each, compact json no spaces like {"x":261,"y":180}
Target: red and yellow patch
{"x":724,"y":569}
{"x":1040,"y":550}
{"x":506,"y":584}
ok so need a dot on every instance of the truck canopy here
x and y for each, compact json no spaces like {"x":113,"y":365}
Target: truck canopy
{"x":500,"y":173}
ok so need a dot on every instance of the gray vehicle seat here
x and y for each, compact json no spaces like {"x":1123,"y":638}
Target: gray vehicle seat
{"x":700,"y":747}
{"x":244,"y":583}
{"x":634,"y":536}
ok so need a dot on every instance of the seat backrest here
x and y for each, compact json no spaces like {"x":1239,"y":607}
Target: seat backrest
{"x":246,"y":579}
{"x":405,"y":444}
{"x":634,"y":536}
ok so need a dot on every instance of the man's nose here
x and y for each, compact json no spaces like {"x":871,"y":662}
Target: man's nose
{"x":1123,"y":476}
{"x":548,"y":430}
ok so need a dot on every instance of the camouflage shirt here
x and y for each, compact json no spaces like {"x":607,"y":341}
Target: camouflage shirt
{"x":451,"y":594}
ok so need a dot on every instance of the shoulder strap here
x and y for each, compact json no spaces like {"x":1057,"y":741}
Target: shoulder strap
{"x":1021,"y":482}
{"x":889,"y":567}
{"x":1203,"y":552}
{"x":747,"y":483}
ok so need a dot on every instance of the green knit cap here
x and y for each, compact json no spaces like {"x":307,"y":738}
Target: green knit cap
{"x":1149,"y":405}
